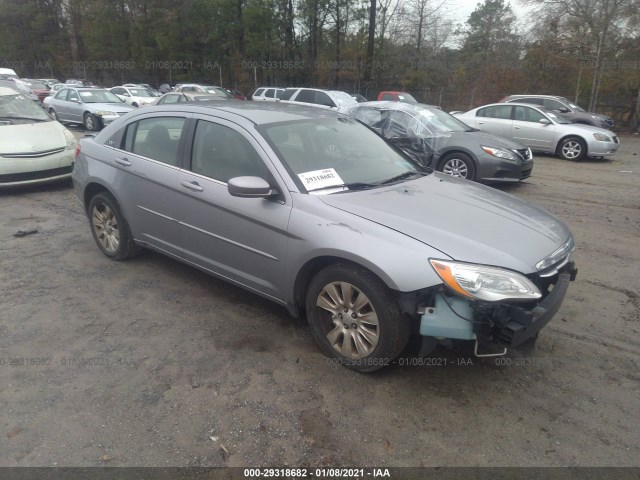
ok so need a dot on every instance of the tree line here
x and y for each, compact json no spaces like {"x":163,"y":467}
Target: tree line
{"x":586,"y":50}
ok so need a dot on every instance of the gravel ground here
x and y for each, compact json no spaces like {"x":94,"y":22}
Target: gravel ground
{"x":151,"y":363}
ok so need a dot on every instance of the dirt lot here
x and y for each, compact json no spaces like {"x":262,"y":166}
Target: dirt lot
{"x":150,"y":362}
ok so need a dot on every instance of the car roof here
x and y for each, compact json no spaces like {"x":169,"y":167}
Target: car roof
{"x":535,"y":96}
{"x":259,"y":113}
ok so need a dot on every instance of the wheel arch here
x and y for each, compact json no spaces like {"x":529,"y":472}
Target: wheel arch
{"x":91,"y":190}
{"x":572,"y":135}
{"x":456,"y":150}
{"x":311,"y":267}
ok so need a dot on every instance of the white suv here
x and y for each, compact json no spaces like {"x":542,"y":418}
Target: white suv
{"x":267,"y":94}
{"x":316,"y":97}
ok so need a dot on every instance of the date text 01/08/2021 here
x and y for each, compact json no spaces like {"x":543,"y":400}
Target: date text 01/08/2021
{"x":299,"y":473}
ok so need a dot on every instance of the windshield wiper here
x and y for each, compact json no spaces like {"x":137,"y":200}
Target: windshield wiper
{"x":348,"y":186}
{"x":402,"y":176}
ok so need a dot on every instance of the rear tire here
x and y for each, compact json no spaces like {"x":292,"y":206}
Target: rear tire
{"x":110,"y":229}
{"x":355,"y":319}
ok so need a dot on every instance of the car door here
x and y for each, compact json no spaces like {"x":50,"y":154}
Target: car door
{"x":147,"y":159}
{"x":241,"y":239}
{"x":75,"y":108}
{"x":528,"y":130}
{"x":495,"y":119}
{"x":59,"y":104}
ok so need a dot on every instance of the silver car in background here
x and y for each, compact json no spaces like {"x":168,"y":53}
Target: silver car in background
{"x":542,"y":130}
{"x":313,"y":210}
{"x":92,"y":107}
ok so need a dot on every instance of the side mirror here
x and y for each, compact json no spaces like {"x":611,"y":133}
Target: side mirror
{"x":249,"y":187}
{"x":564,"y":110}
{"x":544,"y":121}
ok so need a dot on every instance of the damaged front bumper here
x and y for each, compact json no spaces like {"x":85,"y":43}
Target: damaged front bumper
{"x":500,"y":324}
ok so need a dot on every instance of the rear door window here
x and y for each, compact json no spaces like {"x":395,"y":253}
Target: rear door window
{"x":306,"y":96}
{"x":496,"y":111}
{"x":156,"y":138}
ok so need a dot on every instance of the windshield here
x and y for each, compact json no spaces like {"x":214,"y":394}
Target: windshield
{"x":557,"y":118}
{"x":436,"y":121}
{"x":141,"y":92}
{"x":19,"y":107}
{"x":405,"y":97}
{"x":98,"y":96}
{"x":36,"y":85}
{"x":331,"y":152}
{"x":576,"y":107}
{"x":342,"y":98}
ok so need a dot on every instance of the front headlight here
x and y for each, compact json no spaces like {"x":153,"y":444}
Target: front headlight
{"x":601,"y":137}
{"x":71,"y":140}
{"x":598,"y":117}
{"x":500,"y":153}
{"x":105,"y":113}
{"x":485,"y":283}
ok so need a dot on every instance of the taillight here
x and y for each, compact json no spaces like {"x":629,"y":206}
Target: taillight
{"x":76,"y":152}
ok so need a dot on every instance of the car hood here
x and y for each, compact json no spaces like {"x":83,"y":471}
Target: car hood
{"x":484,"y":139}
{"x":109,"y":107}
{"x":573,"y":127}
{"x":31,"y":137}
{"x":466,"y":221}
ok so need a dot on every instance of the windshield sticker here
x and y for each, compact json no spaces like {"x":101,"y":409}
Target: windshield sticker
{"x":327,"y":177}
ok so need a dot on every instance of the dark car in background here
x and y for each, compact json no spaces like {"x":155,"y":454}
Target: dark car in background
{"x":565,"y":108}
{"x":438,"y":140}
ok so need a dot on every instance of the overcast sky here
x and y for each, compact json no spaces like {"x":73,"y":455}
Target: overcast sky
{"x":460,"y":10}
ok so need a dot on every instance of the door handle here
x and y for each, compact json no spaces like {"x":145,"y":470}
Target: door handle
{"x":517,"y":128}
{"x":123,"y":161}
{"x":480,"y":123}
{"x":192,"y":186}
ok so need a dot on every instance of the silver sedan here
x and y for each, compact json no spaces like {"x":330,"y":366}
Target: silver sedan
{"x":92,"y":107}
{"x":313,"y":210}
{"x":542,"y":130}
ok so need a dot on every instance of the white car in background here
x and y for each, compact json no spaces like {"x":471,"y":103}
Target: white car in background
{"x":134,"y":96}
{"x":542,"y":130}
{"x":317,"y":97}
{"x":267,"y":94}
{"x":34,"y":148}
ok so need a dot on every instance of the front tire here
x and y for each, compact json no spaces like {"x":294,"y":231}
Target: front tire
{"x":354,"y":318}
{"x":572,"y":148}
{"x":458,"y":165}
{"x":90,"y":122}
{"x":53,"y":114}
{"x":110,"y":229}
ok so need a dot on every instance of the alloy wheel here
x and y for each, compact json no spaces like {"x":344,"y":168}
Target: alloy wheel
{"x":456,"y":168}
{"x":356,"y":329}
{"x":105,"y":225}
{"x":571,"y":149}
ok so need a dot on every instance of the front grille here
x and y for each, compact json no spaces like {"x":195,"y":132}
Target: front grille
{"x":524,"y":153}
{"x":42,"y":153}
{"x":26,"y":176}
{"x":526,"y":173}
